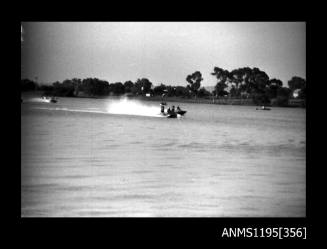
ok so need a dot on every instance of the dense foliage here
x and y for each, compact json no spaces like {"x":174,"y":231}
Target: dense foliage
{"x":254,"y":83}
{"x":246,"y":83}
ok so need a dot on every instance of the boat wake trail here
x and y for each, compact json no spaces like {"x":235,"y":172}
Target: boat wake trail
{"x":69,"y":110}
{"x":38,"y":100}
{"x":122,"y":107}
{"x":132,"y":107}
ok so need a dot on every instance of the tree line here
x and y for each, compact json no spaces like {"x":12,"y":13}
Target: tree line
{"x":248,"y":83}
{"x":254,"y":83}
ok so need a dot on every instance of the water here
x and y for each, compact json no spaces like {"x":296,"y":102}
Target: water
{"x":217,"y":161}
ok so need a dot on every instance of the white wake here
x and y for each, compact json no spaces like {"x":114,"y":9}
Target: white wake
{"x":133,"y":107}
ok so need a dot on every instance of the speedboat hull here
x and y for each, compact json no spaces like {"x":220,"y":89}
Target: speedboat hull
{"x":172,"y":115}
{"x":181,"y":112}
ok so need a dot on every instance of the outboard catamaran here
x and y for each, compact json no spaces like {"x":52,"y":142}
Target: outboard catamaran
{"x":171,"y":113}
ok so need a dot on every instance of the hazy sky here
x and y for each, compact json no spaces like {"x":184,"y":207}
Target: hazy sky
{"x":163,"y":52}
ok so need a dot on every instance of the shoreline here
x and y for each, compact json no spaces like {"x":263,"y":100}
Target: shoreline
{"x":222,"y":101}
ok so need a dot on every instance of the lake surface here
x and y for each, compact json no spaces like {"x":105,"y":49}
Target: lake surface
{"x":77,"y":159}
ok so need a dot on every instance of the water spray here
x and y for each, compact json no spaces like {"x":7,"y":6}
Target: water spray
{"x":132,"y":107}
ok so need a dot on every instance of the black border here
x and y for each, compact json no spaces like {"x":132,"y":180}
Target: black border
{"x":130,"y":230}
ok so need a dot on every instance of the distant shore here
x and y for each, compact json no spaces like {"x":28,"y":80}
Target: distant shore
{"x":201,"y":100}
{"x":220,"y":101}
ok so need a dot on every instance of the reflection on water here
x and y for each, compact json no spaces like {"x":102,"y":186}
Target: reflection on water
{"x":216,"y":161}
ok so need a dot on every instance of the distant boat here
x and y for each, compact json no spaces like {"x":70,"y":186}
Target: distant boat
{"x":50,"y":99}
{"x":53,"y":100}
{"x":263,"y":108}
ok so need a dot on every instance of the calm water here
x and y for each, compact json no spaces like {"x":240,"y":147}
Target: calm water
{"x":220,"y":161}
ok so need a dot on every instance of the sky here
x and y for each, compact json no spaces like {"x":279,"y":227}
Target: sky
{"x":163,"y":52}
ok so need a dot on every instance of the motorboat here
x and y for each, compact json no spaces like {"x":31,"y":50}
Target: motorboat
{"x":50,"y":99}
{"x":53,"y":100}
{"x":172,"y":114}
{"x":263,"y":108}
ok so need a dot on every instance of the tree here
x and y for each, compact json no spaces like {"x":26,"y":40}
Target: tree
{"x":159,"y":90}
{"x":94,"y":86}
{"x":203,"y":92}
{"x":236,"y":76}
{"x":260,"y":98}
{"x":283,"y":95}
{"x":219,"y":93}
{"x":117,"y":88}
{"x":171,"y":91}
{"x":221,"y":75}
{"x":67,"y":84}
{"x":134,"y":90}
{"x":128,"y":86}
{"x":143,"y":85}
{"x":77,"y":83}
{"x":296,"y":83}
{"x":274,"y":85}
{"x":244,"y":76}
{"x":194,"y":81}
{"x":233,"y":92}
{"x":27,"y":85}
{"x":302,"y":93}
{"x":181,"y":91}
{"x":258,"y":80}
{"x":259,"y":85}
{"x":102,"y":87}
{"x":66,"y":89}
{"x":47,"y":89}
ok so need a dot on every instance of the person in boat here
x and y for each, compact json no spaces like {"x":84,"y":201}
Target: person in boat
{"x":162,"y":109}
{"x":168,"y":110}
{"x":173,"y":109}
{"x":178,"y":109}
